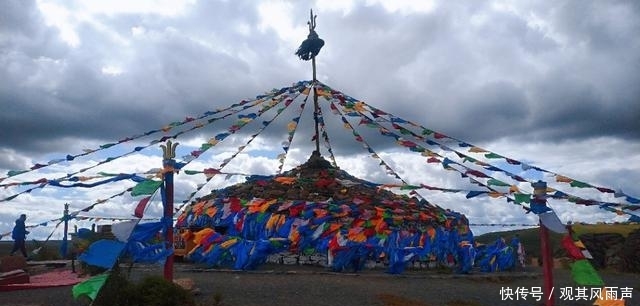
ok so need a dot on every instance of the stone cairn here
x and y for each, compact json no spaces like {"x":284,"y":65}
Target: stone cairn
{"x":316,"y":182}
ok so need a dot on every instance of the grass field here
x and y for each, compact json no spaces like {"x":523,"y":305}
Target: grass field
{"x":530,"y":237}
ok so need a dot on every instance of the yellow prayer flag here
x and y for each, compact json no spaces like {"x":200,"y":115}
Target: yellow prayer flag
{"x":579,"y":244}
{"x":514,"y":189}
{"x":477,"y":150}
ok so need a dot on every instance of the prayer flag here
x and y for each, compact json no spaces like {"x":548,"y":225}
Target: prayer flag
{"x":90,"y":287}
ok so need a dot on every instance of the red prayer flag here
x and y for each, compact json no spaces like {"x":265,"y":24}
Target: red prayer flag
{"x":139,"y":211}
{"x":572,"y":250}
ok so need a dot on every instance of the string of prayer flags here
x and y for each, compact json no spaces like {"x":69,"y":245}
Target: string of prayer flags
{"x":583,"y":272}
{"x":292,"y":128}
{"x":415,"y":148}
{"x":325,"y":137}
{"x":348,"y":104}
{"x":272,"y":103}
{"x":110,"y":159}
{"x":127,"y":139}
{"x":365,"y":145}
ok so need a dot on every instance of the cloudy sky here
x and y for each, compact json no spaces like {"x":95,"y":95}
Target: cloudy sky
{"x":554,"y":84}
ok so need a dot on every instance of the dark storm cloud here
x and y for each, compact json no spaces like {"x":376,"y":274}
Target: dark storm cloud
{"x":477,"y":73}
{"x":166,"y":76}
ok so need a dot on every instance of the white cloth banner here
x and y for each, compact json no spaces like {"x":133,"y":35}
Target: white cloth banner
{"x":123,"y":230}
{"x":551,"y":221}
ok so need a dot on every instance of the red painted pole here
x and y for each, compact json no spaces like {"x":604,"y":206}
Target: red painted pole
{"x":540,"y":198}
{"x":547,"y":265}
{"x":168,"y":216}
{"x":168,"y":164}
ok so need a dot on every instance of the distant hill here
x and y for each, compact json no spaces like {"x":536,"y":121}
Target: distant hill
{"x":530,"y":237}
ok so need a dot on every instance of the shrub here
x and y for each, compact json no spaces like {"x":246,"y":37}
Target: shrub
{"x":118,"y":290}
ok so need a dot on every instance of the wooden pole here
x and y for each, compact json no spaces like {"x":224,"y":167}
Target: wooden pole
{"x":168,"y":163}
{"x":66,"y":229}
{"x":316,"y":107}
{"x":540,"y":197}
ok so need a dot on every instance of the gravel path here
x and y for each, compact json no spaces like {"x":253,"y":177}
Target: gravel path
{"x":301,"y":285}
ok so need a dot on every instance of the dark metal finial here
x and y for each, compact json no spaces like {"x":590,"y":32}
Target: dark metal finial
{"x":311,"y":46}
{"x":312,"y":21}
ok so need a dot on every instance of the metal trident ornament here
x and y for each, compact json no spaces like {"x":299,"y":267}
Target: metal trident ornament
{"x":169,"y":150}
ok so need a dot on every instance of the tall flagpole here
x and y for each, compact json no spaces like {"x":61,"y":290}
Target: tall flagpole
{"x":168,"y":168}
{"x":308,"y":50}
{"x":316,"y":107}
{"x":540,"y":197}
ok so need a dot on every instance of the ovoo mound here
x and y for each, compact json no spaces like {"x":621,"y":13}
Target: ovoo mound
{"x":318,"y":208}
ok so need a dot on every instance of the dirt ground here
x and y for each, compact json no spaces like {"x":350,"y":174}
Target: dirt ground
{"x":304,"y":285}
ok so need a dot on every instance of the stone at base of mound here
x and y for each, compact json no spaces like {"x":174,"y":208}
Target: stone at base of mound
{"x":187,"y":284}
{"x":321,"y":260}
{"x":18,"y":276}
{"x":10,"y":263}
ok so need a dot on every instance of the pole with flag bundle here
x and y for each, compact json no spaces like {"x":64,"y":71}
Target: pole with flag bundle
{"x":168,"y":167}
{"x":540,"y":198}
{"x":308,"y":50}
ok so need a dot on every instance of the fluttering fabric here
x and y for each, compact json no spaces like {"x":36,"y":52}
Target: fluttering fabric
{"x":102,"y":253}
{"x":551,"y":221}
{"x":584,"y":274}
{"x":349,"y":231}
{"x":122,"y":230}
{"x":90,"y":287}
{"x":495,"y":257}
{"x":145,"y":245}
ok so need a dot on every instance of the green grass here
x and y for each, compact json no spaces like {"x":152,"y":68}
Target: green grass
{"x":530,"y":237}
{"x":622,"y":229}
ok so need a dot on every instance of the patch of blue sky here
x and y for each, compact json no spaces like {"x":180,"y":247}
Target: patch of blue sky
{"x":271,"y":154}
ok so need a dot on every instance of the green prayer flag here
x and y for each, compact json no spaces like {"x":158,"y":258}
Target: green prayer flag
{"x":191,"y":172}
{"x":16,"y":172}
{"x":522,"y":198}
{"x":106,"y":174}
{"x":495,"y":182}
{"x":579,"y":184}
{"x":469,"y":159}
{"x":492,"y":155}
{"x":146,"y":187}
{"x":90,"y":287}
{"x":409,"y":187}
{"x":584,"y":274}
